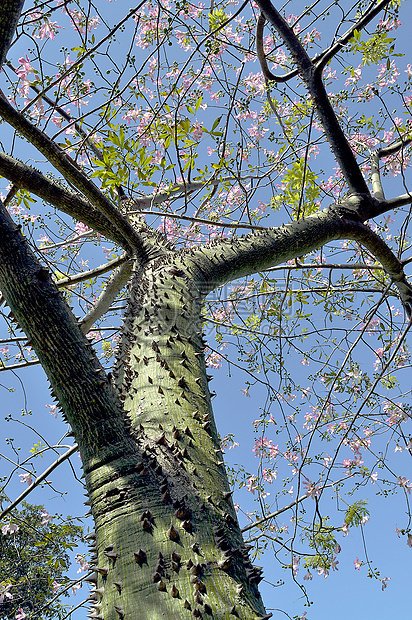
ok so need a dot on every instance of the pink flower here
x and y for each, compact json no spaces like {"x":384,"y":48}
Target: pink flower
{"x":82,"y":228}
{"x":56,"y":586}
{"x":4,"y":592}
{"x":251,"y":484}
{"x":311,"y":489}
{"x":245,"y":392}
{"x":384,"y":584}
{"x":20,"y":615}
{"x":308,"y":576}
{"x":295,"y":565}
{"x":10,"y":528}
{"x":323,"y":571}
{"x":75,"y":587}
{"x":337,"y":548}
{"x":357,"y":563}
{"x":334,"y":564}
{"x":45,"y":517}
{"x":26,"y":478}
{"x":53,"y":410}
{"x":26,"y":67}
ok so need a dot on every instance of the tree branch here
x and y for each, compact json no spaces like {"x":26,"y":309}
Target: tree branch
{"x":10,"y":11}
{"x":65,"y":115}
{"x":116,"y":282}
{"x":375,"y":157}
{"x":72,"y":173}
{"x":94,"y":411}
{"x":92,"y":273}
{"x":224,"y":260}
{"x":39,"y":480}
{"x":322,"y":59}
{"x":199,"y":220}
{"x":312,"y":76}
{"x":75,"y":205}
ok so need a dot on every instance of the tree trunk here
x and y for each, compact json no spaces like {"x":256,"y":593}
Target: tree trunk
{"x":167,"y":537}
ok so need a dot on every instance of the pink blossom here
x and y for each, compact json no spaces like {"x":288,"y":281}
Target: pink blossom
{"x":356,"y":74}
{"x":82,"y":228}
{"x":384,"y":584}
{"x":4,"y":592}
{"x":26,"y":478}
{"x":75,"y":587}
{"x":311,"y":489}
{"x":10,"y":528}
{"x":84,"y":566}
{"x":269,"y":475}
{"x":252,"y":484}
{"x":357,"y":563}
{"x":26,"y":67}
{"x":308,"y":576}
{"x":45,"y":517}
{"x":323,"y":571}
{"x":261,"y":206}
{"x":403,"y":482}
{"x":337,"y":548}
{"x":53,"y":410}
{"x":245,"y":392}
{"x":20,"y":614}
{"x":263,"y":445}
{"x":214,"y":360}
{"x":56,"y":586}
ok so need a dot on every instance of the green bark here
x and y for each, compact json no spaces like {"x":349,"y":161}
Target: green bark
{"x":167,"y":538}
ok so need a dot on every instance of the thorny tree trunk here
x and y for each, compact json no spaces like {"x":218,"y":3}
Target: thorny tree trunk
{"x":169,"y":545}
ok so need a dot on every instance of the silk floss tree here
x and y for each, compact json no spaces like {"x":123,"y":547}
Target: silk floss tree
{"x":167,"y":541}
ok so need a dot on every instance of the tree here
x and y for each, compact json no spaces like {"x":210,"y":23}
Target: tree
{"x":34,"y":563}
{"x":167,"y":541}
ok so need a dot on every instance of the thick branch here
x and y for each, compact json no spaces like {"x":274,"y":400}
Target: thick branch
{"x":225,"y":260}
{"x":9,"y":16}
{"x":313,"y":79}
{"x":80,"y":384}
{"x":377,"y":187}
{"x":362,"y":22}
{"x":75,"y":205}
{"x":72,"y":173}
{"x":322,"y":59}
